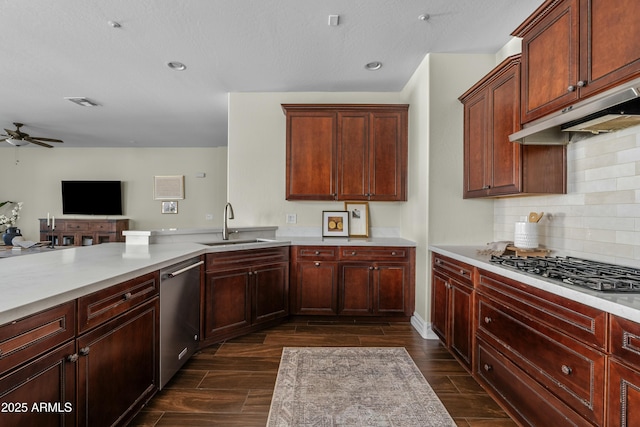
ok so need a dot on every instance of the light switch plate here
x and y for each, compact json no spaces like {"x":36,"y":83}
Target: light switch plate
{"x":292,"y":218}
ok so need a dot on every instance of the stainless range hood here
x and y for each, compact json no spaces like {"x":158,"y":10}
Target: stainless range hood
{"x":610,"y":111}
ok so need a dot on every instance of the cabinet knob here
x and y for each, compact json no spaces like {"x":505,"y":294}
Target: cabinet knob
{"x":317,"y":264}
{"x":566,"y":370}
{"x":581,"y":83}
{"x":394,"y":253}
{"x":250,"y":273}
{"x":126,"y":296}
{"x":486,"y":187}
{"x":370,"y":267}
{"x":72,"y":358}
{"x":84,"y":351}
{"x":487,"y":367}
{"x":317,"y":252}
{"x":353,"y":253}
{"x":487,"y":320}
{"x":438,"y":261}
{"x":463,"y":272}
{"x":571,"y":88}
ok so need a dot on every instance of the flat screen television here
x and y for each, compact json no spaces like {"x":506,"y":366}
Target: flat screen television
{"x":92,"y":197}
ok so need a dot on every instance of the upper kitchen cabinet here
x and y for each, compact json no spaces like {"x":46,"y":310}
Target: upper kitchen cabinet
{"x":346,"y":152}
{"x":572,"y":49}
{"x":494,"y":166}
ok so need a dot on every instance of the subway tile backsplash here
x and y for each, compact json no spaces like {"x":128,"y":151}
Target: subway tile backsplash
{"x":599,"y":217}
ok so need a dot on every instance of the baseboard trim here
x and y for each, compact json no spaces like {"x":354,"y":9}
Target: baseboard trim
{"x":423,"y":328}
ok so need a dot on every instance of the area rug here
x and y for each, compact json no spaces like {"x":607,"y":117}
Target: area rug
{"x":354,"y":387}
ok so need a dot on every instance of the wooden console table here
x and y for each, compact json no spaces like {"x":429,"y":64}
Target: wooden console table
{"x":83,"y":232}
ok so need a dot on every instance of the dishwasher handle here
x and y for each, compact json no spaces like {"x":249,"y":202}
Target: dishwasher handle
{"x":183,"y":270}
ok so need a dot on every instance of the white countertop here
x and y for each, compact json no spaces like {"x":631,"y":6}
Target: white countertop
{"x":626,"y":305}
{"x":35,"y":282}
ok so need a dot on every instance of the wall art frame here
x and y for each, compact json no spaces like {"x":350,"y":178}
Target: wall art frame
{"x":335,"y":224}
{"x":358,"y":218}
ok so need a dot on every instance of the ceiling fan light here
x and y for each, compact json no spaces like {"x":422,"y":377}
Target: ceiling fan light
{"x":17,"y":142}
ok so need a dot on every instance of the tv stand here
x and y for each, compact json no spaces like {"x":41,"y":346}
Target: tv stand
{"x":83,"y":232}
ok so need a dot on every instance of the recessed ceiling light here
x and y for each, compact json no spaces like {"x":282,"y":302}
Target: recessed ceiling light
{"x":178,"y":66}
{"x":373,"y":66}
{"x":114,"y":24}
{"x":424,"y":17}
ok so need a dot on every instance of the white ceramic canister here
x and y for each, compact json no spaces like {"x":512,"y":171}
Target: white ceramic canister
{"x":526,"y":235}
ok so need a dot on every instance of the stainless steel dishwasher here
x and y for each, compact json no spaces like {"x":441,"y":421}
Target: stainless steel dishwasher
{"x":179,"y":315}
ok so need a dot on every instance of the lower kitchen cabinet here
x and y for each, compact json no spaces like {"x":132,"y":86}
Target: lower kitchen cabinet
{"x":243,"y":290}
{"x":42,"y":392}
{"x":624,"y":373}
{"x":353,"y":281}
{"x":452,"y":306}
{"x":118,"y":367}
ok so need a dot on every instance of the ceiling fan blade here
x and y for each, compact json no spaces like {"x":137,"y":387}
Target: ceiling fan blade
{"x":45,"y":139}
{"x":42,"y":144}
{"x":13,"y":133}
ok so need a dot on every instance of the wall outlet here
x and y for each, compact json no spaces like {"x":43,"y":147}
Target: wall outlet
{"x":292,"y":218}
{"x":208,"y":217}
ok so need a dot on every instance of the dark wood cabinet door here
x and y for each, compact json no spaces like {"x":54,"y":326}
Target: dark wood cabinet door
{"x":550,"y":58}
{"x":505,"y":156}
{"x":311,"y":156}
{"x":50,"y":380}
{"x":476,"y":157}
{"x":388,"y":156}
{"x":271,"y":292}
{"x":227,"y":301}
{"x":440,"y":305}
{"x":461,"y":321}
{"x":316,"y":288}
{"x":356,"y":289}
{"x":624,"y":396}
{"x":610,"y":52}
{"x":118,"y":366}
{"x":353,"y":155}
{"x":390,"y":293}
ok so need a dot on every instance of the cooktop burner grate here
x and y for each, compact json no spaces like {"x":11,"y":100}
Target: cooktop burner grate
{"x":595,"y":275}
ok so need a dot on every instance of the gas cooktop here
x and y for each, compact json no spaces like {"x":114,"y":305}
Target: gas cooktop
{"x":595,"y":275}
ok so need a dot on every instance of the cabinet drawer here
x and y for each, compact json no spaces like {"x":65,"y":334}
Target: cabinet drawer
{"x":566,"y":367}
{"x":367,"y":253}
{"x":26,"y":338}
{"x":309,"y":253}
{"x":235,"y":259}
{"x":572,"y":318}
{"x":528,"y":402}
{"x":453,"y":268}
{"x":76,"y":225}
{"x":106,"y":304}
{"x":625,"y":340}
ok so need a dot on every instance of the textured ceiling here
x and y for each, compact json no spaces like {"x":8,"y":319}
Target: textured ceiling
{"x":56,"y":49}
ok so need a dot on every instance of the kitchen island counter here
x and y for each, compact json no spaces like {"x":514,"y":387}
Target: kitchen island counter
{"x":626,"y":305}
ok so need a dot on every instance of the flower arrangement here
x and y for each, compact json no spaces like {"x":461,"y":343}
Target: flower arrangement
{"x":10,"y":220}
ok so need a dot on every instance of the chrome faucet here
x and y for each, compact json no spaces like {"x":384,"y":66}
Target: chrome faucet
{"x":228,"y":214}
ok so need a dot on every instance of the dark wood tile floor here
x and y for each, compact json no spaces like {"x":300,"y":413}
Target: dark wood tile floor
{"x":231,"y":384}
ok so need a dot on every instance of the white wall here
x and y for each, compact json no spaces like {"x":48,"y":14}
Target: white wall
{"x":599,"y":217}
{"x":35,"y":181}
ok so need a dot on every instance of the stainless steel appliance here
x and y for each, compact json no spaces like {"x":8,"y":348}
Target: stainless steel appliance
{"x":179,"y":315}
{"x":595,"y":275}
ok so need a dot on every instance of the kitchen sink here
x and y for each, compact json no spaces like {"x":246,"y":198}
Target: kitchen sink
{"x":236,"y":242}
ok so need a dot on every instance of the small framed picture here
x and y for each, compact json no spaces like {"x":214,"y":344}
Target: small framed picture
{"x":335,"y":223}
{"x":358,"y":218}
{"x":170,"y":207}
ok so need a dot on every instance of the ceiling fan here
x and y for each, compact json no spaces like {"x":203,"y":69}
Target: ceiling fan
{"x":19,"y":138}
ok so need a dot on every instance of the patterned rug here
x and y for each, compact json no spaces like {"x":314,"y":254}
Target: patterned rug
{"x":354,"y":387}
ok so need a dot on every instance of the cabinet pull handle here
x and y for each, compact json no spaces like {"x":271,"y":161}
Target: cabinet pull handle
{"x":487,"y":367}
{"x":126,"y":296}
{"x":353,"y":253}
{"x":72,"y":358}
{"x":394,"y":253}
{"x":487,"y":320}
{"x":438,"y":261}
{"x":566,"y":370}
{"x":317,"y":264}
{"x":84,"y":351}
{"x":370,"y":267}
